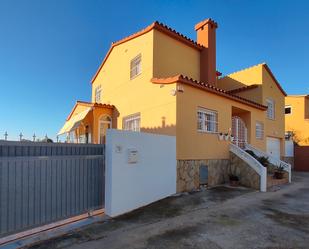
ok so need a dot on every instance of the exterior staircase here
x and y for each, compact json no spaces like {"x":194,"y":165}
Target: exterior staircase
{"x":273,"y":160}
{"x":266,"y":180}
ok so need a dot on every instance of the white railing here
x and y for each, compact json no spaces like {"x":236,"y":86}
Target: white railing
{"x":253,"y":163}
{"x":273,"y":160}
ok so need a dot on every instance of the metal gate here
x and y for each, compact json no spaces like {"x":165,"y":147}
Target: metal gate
{"x":239,"y":131}
{"x":42,"y":183}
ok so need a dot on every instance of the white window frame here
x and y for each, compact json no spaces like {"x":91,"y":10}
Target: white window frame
{"x":270,"y":111}
{"x":132,"y":122}
{"x":204,"y":124}
{"x":288,"y":106}
{"x":259,"y":130}
{"x":135,"y":66}
{"x":97,"y":94}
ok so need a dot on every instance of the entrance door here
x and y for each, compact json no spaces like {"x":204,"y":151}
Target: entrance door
{"x":105,"y":123}
{"x":273,"y":146}
{"x":239,"y":131}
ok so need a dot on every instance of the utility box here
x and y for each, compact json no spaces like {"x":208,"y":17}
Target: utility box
{"x":132,"y":155}
{"x":203,"y":174}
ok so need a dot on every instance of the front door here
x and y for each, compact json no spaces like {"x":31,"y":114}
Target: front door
{"x":239,"y":131}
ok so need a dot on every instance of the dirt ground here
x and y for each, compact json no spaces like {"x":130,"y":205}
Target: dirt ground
{"x":221,"y":217}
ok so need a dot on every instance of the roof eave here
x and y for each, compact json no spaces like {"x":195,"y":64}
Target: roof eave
{"x":183,"y":79}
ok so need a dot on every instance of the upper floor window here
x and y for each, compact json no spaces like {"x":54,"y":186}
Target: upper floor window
{"x":136,"y":66}
{"x":288,"y":109}
{"x":98,"y":94}
{"x":259,"y":130}
{"x":270,"y":108}
{"x":207,"y":120}
{"x":132,"y":122}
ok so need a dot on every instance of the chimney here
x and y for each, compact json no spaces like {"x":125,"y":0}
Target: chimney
{"x":206,"y":36}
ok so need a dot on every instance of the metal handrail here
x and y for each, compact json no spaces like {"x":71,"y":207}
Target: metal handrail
{"x":273,"y":160}
{"x":253,"y":163}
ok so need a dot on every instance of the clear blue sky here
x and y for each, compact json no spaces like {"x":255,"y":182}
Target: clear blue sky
{"x":49,"y":50}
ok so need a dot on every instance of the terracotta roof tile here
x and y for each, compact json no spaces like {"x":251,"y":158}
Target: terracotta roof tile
{"x":89,"y":104}
{"x":207,"y":87}
{"x":242,"y":89}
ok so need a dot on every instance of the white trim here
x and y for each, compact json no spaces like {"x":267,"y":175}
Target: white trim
{"x":136,"y":67}
{"x":253,"y":163}
{"x":238,"y":141}
{"x":214,"y":122}
{"x":272,"y":160}
{"x":129,"y":118}
{"x":271,"y":116}
{"x":259,"y":129}
{"x":98,"y":94}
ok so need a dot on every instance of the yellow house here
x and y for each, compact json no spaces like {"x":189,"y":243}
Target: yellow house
{"x":297,"y":118}
{"x":159,"y":81}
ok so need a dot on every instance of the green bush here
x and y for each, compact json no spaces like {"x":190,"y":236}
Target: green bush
{"x":264,"y":161}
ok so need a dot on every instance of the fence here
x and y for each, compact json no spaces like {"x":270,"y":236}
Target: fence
{"x":301,"y":158}
{"x":41,"y":183}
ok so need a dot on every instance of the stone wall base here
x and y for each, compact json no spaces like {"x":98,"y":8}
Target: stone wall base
{"x":188,"y":177}
{"x":247,"y":176}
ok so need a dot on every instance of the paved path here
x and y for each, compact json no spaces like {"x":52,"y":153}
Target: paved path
{"x":217,"y":218}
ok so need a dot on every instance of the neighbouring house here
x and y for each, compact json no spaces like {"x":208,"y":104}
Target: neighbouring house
{"x":297,"y":118}
{"x":159,"y":81}
{"x":297,"y":131}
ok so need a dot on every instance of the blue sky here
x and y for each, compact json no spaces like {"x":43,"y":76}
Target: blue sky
{"x":49,"y":50}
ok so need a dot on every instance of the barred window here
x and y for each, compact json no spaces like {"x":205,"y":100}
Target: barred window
{"x":259,"y":130}
{"x":270,"y":109}
{"x":136,"y":66}
{"x":207,"y":120}
{"x":98,"y":94}
{"x":132,"y":122}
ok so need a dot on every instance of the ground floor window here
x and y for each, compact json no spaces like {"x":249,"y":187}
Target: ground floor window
{"x":259,"y":130}
{"x":207,"y":120}
{"x":132,"y":122}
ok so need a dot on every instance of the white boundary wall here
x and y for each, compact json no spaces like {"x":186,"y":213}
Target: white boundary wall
{"x":145,"y":175}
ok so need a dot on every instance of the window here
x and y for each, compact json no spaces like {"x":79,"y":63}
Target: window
{"x":288,"y":109}
{"x":98,"y":94}
{"x":259,"y":130}
{"x":270,"y":109}
{"x":132,"y":122}
{"x":207,"y":120}
{"x":135,"y":66}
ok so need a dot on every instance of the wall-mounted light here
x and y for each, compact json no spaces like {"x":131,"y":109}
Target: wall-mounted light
{"x":180,"y":88}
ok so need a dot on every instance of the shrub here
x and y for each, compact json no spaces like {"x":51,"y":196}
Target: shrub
{"x":251,"y":153}
{"x":264,"y":161}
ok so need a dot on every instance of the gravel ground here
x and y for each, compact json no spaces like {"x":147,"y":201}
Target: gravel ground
{"x":221,"y":217}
